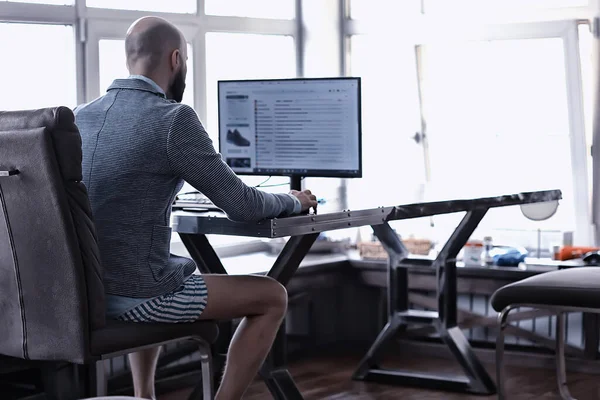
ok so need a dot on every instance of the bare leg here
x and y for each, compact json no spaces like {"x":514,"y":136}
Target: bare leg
{"x":263,"y":303}
{"x":143,"y":368}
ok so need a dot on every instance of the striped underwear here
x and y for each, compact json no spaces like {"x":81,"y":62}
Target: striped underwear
{"x":184,"y":304}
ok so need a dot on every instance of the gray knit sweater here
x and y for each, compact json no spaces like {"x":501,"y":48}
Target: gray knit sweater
{"x":138,"y":148}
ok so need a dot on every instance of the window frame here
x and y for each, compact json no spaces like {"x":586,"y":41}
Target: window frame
{"x":92,"y":24}
{"x":112,"y":24}
{"x":55,"y":15}
{"x":114,"y":30}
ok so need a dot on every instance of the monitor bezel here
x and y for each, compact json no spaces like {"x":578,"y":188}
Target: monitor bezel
{"x":309,"y":173}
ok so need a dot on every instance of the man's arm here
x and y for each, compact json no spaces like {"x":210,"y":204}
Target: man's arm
{"x":192,"y":156}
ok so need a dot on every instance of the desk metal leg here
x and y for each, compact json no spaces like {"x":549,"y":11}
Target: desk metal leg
{"x":274,"y":371}
{"x":290,"y":257}
{"x":203,"y":254}
{"x":397,"y":298}
{"x":479,"y":380}
{"x":445,"y":320}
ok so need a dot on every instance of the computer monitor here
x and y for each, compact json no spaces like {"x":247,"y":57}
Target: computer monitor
{"x":291,"y":127}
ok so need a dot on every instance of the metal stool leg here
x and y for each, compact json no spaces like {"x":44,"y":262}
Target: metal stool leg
{"x":205,"y":390}
{"x":97,"y":379}
{"x":500,"y":378}
{"x":561,"y":372}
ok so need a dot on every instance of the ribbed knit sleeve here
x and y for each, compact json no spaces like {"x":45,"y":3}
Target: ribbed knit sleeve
{"x":193,"y":157}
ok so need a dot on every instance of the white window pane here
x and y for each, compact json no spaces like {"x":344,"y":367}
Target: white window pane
{"x":390,"y":110}
{"x":244,"y":56}
{"x":173,"y":6}
{"x":462,"y":6}
{"x":44,"y":75}
{"x":393,"y":163}
{"x":113,"y":65}
{"x":279,"y":9}
{"x":370,"y":9}
{"x":54,"y":2}
{"x":498,"y":122}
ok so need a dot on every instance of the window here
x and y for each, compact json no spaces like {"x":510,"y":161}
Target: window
{"x":390,"y":110}
{"x":113,"y":65}
{"x":244,"y":56}
{"x":36,"y":68}
{"x":85,"y":55}
{"x":280,"y":9}
{"x":501,"y":115}
{"x":173,"y":6}
{"x":498,"y":122}
{"x":393,"y":162}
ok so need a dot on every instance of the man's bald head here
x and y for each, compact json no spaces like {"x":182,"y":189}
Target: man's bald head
{"x":157,"y":49}
{"x":151,"y":40}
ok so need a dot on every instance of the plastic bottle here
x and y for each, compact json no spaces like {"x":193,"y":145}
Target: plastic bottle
{"x":472,"y":253}
{"x":486,"y":257}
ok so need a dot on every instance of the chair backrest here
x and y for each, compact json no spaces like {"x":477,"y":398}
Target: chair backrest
{"x":51,"y":291}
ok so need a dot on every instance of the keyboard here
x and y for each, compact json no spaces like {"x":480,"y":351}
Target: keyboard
{"x":194,"y":201}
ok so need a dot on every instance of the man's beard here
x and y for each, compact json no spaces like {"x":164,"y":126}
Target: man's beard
{"x":177,"y":87}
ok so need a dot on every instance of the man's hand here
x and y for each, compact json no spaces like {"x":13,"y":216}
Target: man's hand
{"x":307,"y":199}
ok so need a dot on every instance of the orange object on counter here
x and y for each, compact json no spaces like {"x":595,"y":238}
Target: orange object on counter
{"x":571,"y":252}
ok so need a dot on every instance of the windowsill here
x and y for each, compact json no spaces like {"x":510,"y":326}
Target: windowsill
{"x":257,"y":258}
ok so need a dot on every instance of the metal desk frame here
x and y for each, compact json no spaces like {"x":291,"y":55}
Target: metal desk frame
{"x":304,"y":230}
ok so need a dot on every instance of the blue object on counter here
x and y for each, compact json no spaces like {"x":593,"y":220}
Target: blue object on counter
{"x":510,"y":257}
{"x":322,"y":236}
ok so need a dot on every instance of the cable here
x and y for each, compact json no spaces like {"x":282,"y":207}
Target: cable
{"x":263,"y":182}
{"x":278,"y":184}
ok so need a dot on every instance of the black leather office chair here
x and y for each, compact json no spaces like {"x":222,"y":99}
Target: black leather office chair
{"x":569,"y":290}
{"x":51,"y":290}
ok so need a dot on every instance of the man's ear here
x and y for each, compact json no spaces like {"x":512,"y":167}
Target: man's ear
{"x":176,"y":60}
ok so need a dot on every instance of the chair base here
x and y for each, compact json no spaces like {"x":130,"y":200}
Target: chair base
{"x":561,"y":374}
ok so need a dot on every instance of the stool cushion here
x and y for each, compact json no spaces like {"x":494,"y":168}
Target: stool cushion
{"x":575,"y":287}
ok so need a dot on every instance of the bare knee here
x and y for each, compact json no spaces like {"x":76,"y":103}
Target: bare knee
{"x":277,"y":298}
{"x":244,"y":296}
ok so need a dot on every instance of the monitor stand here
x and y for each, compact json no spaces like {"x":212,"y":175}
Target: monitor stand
{"x":296,"y":182}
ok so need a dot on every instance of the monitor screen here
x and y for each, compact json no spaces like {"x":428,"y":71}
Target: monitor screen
{"x":307,"y":127}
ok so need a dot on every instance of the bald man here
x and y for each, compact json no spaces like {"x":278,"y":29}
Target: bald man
{"x":139,"y":146}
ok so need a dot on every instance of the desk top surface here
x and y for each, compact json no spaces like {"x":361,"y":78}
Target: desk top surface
{"x":213,"y":222}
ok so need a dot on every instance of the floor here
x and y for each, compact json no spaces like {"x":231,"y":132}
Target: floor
{"x":329,"y":378}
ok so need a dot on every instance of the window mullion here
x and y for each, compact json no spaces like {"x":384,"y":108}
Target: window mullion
{"x":200,"y":89}
{"x":581,"y":191}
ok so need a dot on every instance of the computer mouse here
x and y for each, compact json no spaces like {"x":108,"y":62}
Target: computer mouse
{"x":592,"y":258}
